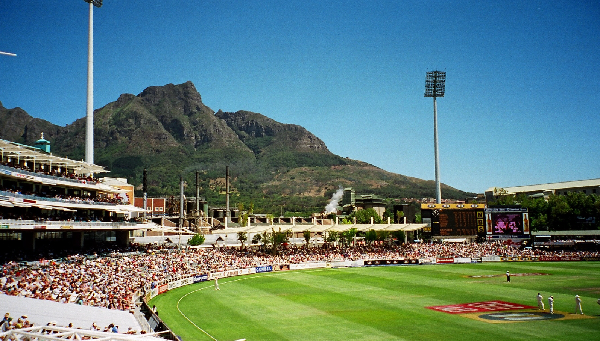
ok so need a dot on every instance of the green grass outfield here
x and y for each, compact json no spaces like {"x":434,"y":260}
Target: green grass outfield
{"x":383,"y":303}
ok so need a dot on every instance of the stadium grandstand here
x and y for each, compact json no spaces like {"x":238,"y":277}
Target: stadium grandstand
{"x":591,"y":186}
{"x":46,"y":199}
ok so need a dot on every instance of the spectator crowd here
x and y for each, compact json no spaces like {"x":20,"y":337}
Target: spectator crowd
{"x":111,"y":280}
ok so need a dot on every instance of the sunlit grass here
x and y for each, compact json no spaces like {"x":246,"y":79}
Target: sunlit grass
{"x":382,"y":303}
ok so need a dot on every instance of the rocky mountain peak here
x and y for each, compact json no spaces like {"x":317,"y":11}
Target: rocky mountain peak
{"x":182,"y":96}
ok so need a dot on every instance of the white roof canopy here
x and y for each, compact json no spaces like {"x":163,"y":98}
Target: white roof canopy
{"x":324,"y":228}
{"x":28,"y":153}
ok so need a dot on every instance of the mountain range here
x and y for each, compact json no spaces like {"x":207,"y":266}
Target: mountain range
{"x":171,"y":133}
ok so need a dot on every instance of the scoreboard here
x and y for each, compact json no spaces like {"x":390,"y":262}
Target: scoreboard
{"x":448,"y":220}
{"x":458,"y":223}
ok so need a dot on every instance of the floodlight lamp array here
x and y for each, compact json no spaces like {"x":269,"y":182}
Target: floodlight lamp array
{"x":435,"y":84}
{"x":97,"y":3}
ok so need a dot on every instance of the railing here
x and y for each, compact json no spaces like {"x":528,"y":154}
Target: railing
{"x":54,"y":199}
{"x":40,"y":175}
{"x":61,"y":223}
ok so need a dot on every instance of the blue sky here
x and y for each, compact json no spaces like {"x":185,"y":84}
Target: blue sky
{"x":522,"y":90}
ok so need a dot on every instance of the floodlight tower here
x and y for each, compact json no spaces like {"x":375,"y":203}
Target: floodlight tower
{"x":435,"y":84}
{"x":89,"y":132}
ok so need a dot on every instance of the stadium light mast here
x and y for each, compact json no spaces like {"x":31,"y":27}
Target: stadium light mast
{"x":435,"y":84}
{"x":89,"y":132}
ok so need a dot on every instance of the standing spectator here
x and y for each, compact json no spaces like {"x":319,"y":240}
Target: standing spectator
{"x":7,"y":317}
{"x":578,"y":305}
{"x":6,"y":324}
{"x":551,"y":304}
{"x":540,"y":300}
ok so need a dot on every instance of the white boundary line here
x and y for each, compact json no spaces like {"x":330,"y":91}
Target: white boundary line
{"x":190,"y":321}
{"x":241,"y":278}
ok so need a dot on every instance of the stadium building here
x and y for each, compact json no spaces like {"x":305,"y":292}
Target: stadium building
{"x":352,"y":202}
{"x":51,"y":202}
{"x":591,"y":186}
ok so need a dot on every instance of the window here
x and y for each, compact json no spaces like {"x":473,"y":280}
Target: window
{"x":10,"y":236}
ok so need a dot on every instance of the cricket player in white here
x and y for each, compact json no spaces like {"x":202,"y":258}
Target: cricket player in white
{"x":216,"y":284}
{"x":551,"y":304}
{"x":578,"y":305}
{"x":540,"y":299}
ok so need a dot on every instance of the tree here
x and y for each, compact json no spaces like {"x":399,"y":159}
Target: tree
{"x":364,"y":216}
{"x":538,"y":211}
{"x":279,"y":238}
{"x":559,"y":214}
{"x":242,"y":237}
{"x":562,"y":212}
{"x":266,"y":239}
{"x":400,"y":216}
{"x":418,"y":218}
{"x":306,"y":235}
{"x":382,"y":235}
{"x":243,"y":215}
{"x":388,"y":214}
{"x":197,"y":239}
{"x":370,"y":236}
{"x":348,"y":236}
{"x":399,"y":235}
{"x":332,"y":237}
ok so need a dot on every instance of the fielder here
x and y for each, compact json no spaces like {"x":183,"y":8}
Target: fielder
{"x":540,"y":299}
{"x":551,"y":304}
{"x":578,"y":305}
{"x":216,"y":284}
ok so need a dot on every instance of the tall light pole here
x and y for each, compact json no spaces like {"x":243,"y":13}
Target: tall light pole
{"x":435,"y":84}
{"x":89,"y":132}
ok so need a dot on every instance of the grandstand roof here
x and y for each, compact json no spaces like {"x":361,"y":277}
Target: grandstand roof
{"x":566,"y":233}
{"x":48,"y":333}
{"x":41,"y":312}
{"x":24,"y":152}
{"x":323,"y":228}
{"x":550,"y":186}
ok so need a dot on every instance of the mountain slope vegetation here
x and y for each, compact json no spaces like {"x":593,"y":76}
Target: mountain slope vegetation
{"x":171,"y":133}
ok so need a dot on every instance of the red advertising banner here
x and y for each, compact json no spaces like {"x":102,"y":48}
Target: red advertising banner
{"x":479,"y":307}
{"x":163,"y":288}
{"x":558,"y":258}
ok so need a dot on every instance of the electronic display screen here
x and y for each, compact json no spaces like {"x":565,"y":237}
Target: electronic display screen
{"x":507,"y":223}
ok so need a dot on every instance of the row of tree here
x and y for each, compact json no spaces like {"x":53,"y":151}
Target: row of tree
{"x":573,"y":211}
{"x":272,"y":241}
